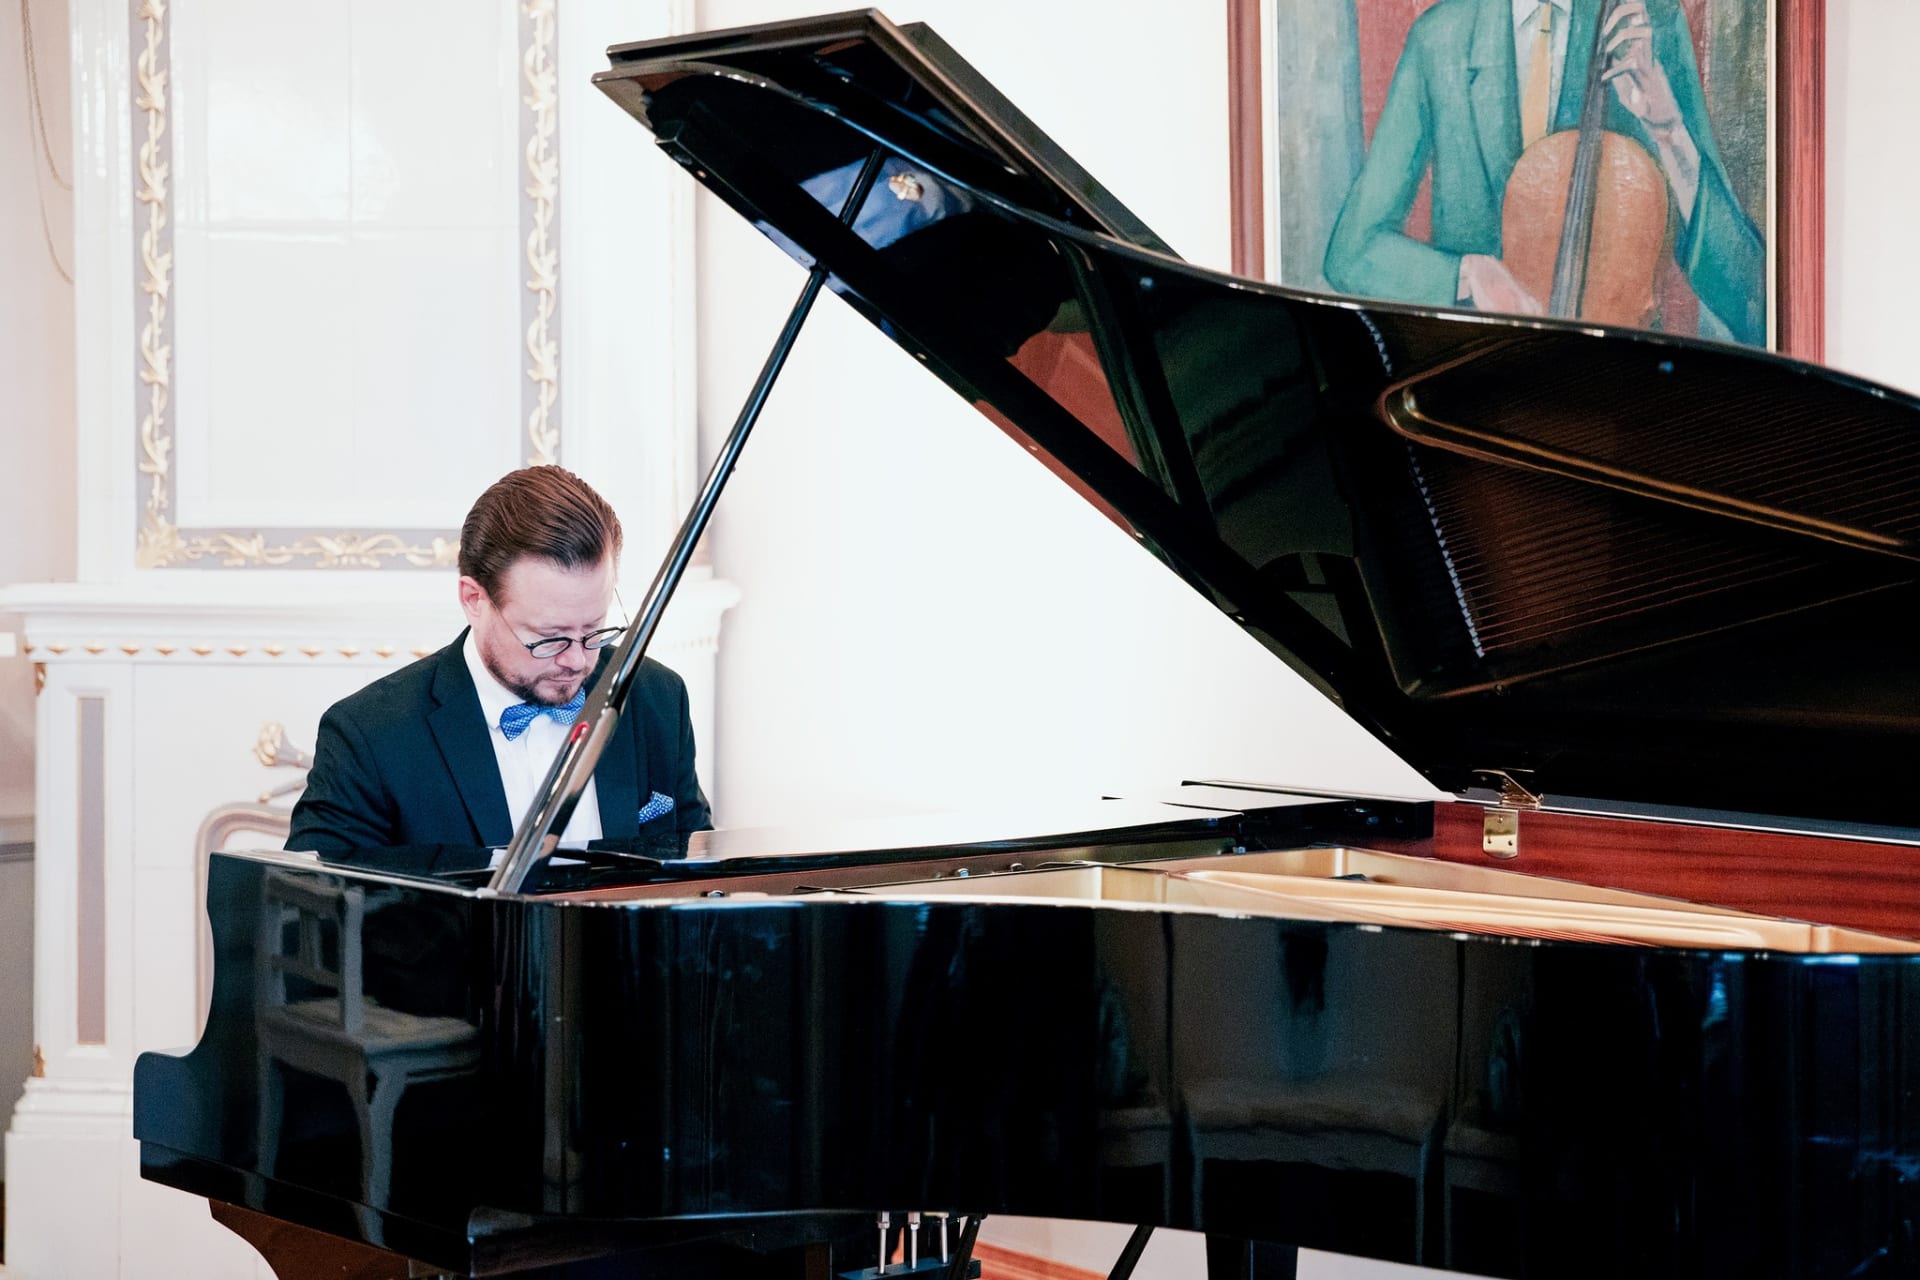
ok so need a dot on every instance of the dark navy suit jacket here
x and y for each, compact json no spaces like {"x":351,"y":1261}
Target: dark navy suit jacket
{"x":407,"y":761}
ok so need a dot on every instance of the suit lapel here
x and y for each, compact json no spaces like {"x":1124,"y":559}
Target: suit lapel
{"x":1493,"y":90}
{"x":465,"y":747}
{"x":616,"y":779}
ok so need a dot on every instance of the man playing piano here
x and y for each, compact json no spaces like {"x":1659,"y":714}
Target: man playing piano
{"x":452,"y":749}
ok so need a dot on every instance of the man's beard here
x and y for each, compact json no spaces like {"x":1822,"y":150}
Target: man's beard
{"x":526,"y":691}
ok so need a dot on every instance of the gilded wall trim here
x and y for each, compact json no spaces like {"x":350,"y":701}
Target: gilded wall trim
{"x":155,"y":369}
{"x":160,"y":542}
{"x":104,"y":652}
{"x":539,"y":124}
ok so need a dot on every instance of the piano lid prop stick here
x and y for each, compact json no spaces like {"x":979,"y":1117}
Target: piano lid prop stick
{"x":963,"y":1256}
{"x":572,"y":768}
{"x":1130,"y":1256}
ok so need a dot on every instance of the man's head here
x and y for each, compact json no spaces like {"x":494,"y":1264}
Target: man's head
{"x":537,"y":561}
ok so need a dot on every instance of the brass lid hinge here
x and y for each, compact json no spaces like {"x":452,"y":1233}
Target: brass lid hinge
{"x":1500,"y":827}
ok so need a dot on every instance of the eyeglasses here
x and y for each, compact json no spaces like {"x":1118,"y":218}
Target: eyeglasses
{"x":554,"y":646}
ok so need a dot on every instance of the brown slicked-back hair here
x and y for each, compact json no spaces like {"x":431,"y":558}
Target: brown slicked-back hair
{"x":543,"y":511}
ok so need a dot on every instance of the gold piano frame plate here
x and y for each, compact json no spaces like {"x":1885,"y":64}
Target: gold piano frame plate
{"x":1341,"y":884}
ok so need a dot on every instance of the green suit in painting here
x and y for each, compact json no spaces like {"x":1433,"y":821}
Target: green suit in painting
{"x":1453,"y":109}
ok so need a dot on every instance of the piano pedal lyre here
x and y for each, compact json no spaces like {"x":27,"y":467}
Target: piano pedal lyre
{"x":942,"y":1259}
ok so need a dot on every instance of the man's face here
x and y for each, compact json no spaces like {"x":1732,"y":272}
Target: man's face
{"x":537,"y":599}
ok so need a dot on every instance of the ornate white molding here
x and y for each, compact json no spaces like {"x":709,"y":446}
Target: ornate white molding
{"x":160,"y":542}
{"x":61,"y":649}
{"x":75,"y":623}
{"x":65,"y":624}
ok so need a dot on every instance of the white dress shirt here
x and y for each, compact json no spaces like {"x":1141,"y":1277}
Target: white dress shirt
{"x":524,"y":761}
{"x":1526,"y":20}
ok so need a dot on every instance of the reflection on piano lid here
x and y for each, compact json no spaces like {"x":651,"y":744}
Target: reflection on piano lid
{"x":1641,"y":569}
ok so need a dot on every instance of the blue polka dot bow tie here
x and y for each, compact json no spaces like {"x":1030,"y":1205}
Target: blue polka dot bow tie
{"x":515,"y":719}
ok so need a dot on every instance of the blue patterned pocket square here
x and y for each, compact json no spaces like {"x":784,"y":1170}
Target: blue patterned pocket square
{"x":657,"y":804}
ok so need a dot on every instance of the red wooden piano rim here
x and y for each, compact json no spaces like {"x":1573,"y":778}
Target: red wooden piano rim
{"x":1856,"y":884}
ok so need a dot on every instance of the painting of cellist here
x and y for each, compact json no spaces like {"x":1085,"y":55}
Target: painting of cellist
{"x":1605,"y":159}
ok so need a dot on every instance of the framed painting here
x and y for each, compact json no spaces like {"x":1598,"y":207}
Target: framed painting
{"x":1650,"y":163}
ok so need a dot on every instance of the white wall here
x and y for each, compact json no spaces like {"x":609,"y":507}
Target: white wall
{"x":1873,"y":181}
{"x":929,"y":619}
{"x":36,"y":369}
{"x":36,"y":468}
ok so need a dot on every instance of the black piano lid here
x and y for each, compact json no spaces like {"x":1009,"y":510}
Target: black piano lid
{"x":1617,"y":565}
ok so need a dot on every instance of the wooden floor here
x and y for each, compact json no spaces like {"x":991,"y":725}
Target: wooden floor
{"x":1005,"y":1264}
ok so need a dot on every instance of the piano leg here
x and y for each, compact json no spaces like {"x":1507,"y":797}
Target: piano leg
{"x":1230,"y":1259}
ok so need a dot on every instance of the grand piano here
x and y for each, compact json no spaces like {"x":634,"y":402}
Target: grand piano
{"x":1636,"y":1003}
